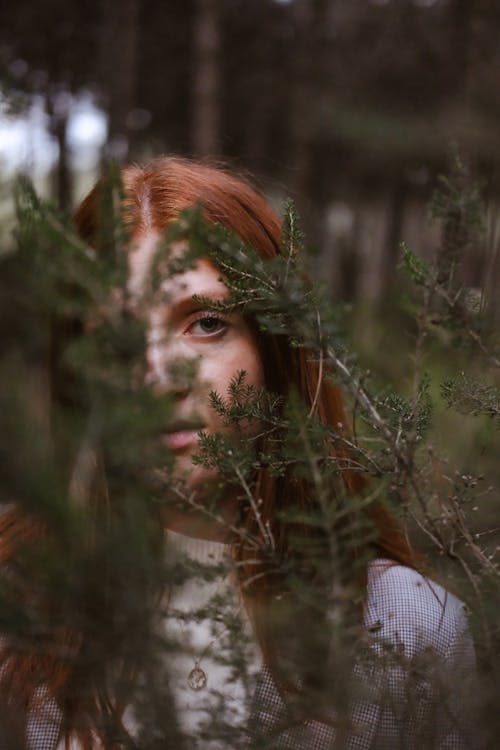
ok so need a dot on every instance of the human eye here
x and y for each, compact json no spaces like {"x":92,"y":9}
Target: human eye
{"x":207,"y":324}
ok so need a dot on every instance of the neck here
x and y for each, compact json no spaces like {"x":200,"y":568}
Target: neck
{"x":200,"y":526}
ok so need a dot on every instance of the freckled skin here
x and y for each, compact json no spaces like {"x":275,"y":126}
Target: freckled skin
{"x":181,"y":331}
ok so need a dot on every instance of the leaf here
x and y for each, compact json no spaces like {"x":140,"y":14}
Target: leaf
{"x":418,"y":270}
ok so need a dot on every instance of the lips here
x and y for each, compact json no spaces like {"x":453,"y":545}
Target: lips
{"x":182,"y":435}
{"x":181,"y":439}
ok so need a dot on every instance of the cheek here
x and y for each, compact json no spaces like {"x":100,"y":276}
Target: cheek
{"x":244,"y":357}
{"x":219,"y":370}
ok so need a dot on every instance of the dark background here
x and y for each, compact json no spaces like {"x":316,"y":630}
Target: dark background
{"x":352,"y":107}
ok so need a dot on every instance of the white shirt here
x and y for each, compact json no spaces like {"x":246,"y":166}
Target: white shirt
{"x":414,"y":626}
{"x":206,"y":626}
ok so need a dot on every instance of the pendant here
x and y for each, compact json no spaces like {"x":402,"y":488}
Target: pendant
{"x":197,"y":678}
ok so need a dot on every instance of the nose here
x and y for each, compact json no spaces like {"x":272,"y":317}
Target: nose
{"x":168,"y":372}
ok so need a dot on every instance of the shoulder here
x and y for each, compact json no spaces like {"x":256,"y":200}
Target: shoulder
{"x":420,"y":661}
{"x":414,"y":613}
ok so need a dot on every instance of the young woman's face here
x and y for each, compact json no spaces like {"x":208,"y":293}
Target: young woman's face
{"x":185,"y":336}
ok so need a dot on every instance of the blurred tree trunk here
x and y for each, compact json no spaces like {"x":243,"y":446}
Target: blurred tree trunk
{"x":260,"y":89}
{"x":461,"y":16}
{"x":205,"y":112}
{"x":347,"y":272}
{"x":57,"y":104}
{"x":303,"y":90}
{"x":394,"y":233}
{"x":119,"y":42}
{"x":310,"y":96}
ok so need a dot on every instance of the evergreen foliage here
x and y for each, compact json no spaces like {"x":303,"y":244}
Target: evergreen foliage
{"x":101,"y":569}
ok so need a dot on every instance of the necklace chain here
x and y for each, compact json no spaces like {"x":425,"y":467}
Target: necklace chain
{"x":197,"y":678}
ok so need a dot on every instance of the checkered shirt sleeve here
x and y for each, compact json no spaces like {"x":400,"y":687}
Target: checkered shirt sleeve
{"x":409,"y":688}
{"x":44,"y":722}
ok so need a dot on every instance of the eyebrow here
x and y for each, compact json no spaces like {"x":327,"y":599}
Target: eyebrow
{"x":204,"y":299}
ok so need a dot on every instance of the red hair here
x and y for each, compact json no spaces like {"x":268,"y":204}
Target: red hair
{"x":155,"y":195}
{"x":153,"y":198}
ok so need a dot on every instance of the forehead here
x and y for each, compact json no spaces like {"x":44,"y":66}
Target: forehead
{"x":202,"y":278}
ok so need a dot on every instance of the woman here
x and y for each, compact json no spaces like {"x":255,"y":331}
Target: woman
{"x":286,"y":543}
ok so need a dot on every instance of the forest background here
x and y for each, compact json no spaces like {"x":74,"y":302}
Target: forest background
{"x":353,"y":108}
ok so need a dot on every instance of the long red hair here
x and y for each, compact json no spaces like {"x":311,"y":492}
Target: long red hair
{"x":153,"y":197}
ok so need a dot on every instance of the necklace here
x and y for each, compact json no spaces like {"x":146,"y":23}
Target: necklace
{"x":197,"y":678}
